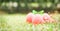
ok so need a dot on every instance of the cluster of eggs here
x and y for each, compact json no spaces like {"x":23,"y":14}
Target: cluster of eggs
{"x":39,"y":19}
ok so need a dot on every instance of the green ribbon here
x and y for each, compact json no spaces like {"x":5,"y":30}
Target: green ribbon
{"x":41,"y":12}
{"x":34,"y":12}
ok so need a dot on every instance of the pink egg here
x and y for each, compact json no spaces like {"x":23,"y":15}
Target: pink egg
{"x":29,"y":17}
{"x":46,"y":17}
{"x":37,"y":19}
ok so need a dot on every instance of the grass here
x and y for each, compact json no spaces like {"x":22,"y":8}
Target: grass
{"x":16,"y":22}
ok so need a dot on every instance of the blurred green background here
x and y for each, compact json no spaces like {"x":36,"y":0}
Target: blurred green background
{"x":25,"y":6}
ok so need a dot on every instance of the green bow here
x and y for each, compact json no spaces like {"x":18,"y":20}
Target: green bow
{"x":41,"y":12}
{"x":34,"y":12}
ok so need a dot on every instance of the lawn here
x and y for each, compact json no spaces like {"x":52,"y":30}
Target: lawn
{"x":17,"y":22}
